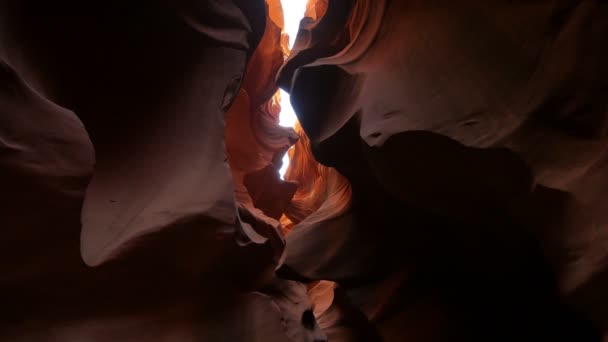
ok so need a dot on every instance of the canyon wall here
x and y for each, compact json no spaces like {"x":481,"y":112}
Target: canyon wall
{"x":473,"y":137}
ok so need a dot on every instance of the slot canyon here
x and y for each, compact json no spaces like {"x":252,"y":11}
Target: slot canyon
{"x":443,"y":181}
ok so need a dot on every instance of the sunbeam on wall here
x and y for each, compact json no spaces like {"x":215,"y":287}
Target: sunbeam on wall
{"x":293,"y":11}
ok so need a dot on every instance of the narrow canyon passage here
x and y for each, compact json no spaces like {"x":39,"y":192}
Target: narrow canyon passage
{"x":445,"y":179}
{"x":293,"y":12}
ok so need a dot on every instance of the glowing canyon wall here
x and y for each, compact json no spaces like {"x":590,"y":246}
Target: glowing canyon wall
{"x":446,"y":177}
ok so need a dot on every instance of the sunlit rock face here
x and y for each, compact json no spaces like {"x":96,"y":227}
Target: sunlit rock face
{"x":446,"y":178}
{"x":255,"y":142}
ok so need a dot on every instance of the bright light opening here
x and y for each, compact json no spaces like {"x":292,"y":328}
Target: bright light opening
{"x":293,"y":12}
